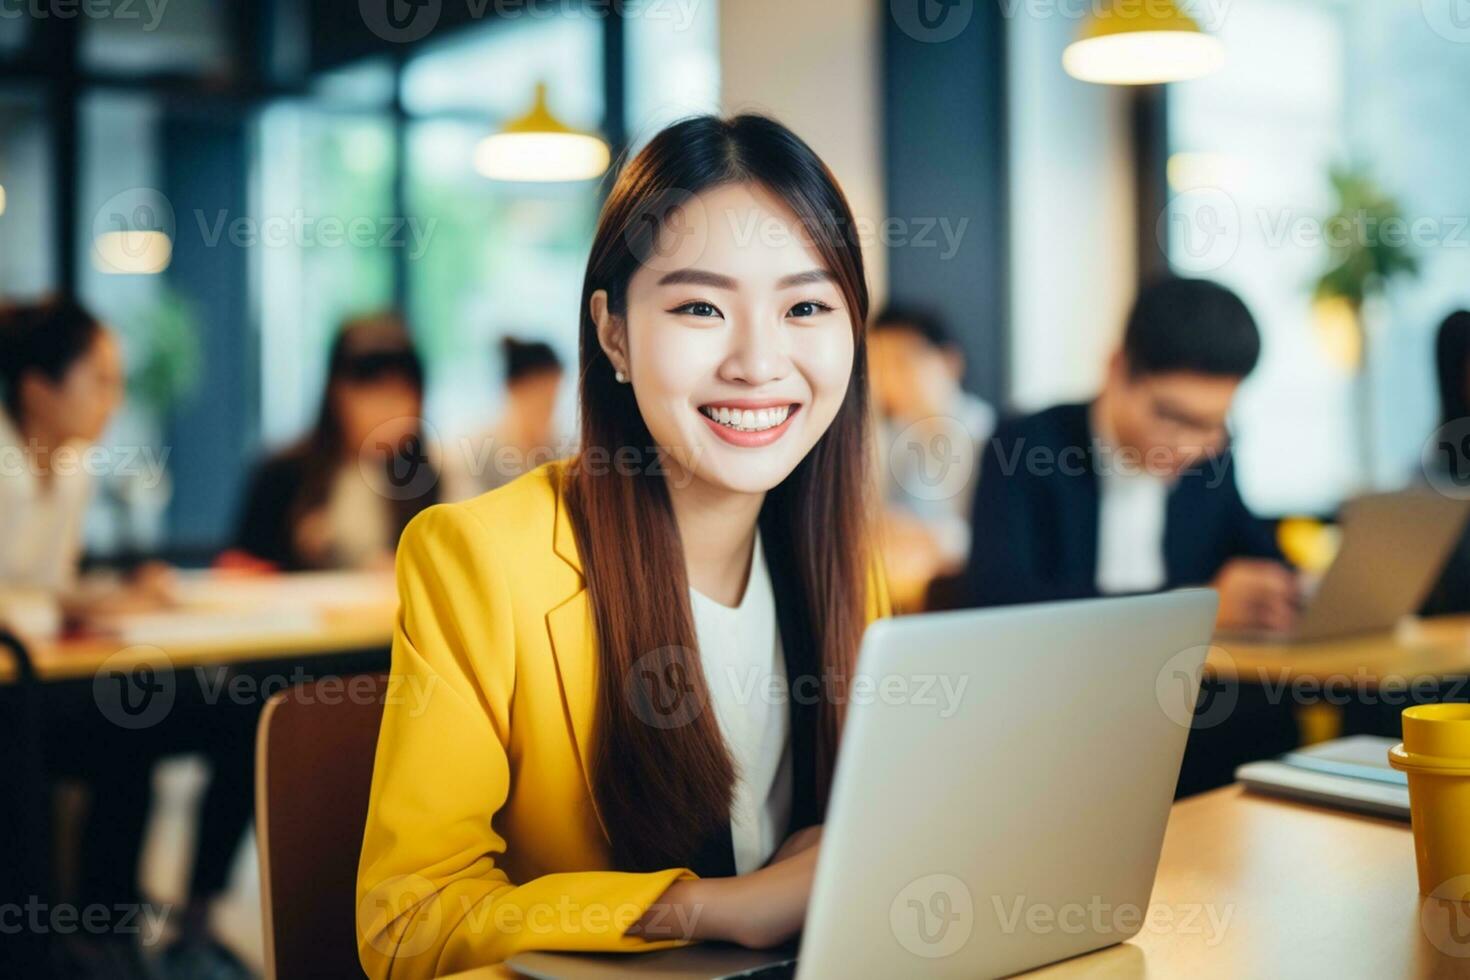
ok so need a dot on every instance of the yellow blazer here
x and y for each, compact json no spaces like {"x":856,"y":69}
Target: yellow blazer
{"x":482,"y":837}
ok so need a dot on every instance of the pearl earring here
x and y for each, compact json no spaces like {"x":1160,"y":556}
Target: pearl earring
{"x":620,"y":377}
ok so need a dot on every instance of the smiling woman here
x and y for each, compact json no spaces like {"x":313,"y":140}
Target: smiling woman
{"x":592,"y":631}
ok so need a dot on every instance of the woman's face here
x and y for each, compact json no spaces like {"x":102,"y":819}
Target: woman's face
{"x":737,"y":340}
{"x":377,"y":414}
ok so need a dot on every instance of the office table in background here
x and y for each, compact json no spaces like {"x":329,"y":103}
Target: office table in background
{"x":228,"y":620}
{"x":1418,"y":648}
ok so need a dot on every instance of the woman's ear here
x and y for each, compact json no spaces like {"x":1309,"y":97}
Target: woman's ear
{"x":612,"y":333}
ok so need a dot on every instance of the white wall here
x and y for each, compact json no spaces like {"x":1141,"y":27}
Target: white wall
{"x":1073,"y":252}
{"x":815,"y":66}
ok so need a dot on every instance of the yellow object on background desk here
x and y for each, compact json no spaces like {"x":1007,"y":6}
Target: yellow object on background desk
{"x":1308,"y":543}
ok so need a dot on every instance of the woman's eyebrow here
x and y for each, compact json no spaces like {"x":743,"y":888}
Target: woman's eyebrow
{"x":805,"y":278}
{"x":696,"y":277}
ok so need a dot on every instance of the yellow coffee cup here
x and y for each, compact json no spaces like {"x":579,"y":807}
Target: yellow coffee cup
{"x":1435,"y":754}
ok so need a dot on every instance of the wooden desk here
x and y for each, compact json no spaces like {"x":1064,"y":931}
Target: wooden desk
{"x":1418,"y":649}
{"x":352,"y":611}
{"x":1308,"y":892}
{"x":1296,"y":891}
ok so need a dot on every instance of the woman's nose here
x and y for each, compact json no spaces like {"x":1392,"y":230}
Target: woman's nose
{"x":758,"y":354}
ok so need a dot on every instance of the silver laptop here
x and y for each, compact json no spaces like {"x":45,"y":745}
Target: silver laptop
{"x":1394,"y":546}
{"x":1004,"y":774}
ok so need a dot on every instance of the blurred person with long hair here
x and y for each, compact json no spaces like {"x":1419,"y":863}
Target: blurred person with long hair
{"x":341,"y":495}
{"x":586,"y":632}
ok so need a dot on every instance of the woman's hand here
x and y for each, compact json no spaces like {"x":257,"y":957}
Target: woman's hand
{"x":759,"y":910}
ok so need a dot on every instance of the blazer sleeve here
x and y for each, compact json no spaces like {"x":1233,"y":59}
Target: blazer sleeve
{"x":431,"y":895}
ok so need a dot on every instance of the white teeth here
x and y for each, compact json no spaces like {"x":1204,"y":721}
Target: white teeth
{"x":749,"y":420}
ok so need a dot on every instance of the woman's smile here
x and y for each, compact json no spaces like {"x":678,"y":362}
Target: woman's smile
{"x":749,"y":423}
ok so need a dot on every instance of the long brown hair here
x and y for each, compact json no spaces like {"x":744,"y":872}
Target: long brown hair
{"x":366,"y":348}
{"x":663,"y":788}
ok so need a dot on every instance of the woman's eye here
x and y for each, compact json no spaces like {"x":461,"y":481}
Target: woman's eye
{"x":809,"y":308}
{"x":698,"y":308}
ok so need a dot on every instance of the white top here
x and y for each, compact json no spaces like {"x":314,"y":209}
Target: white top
{"x":1132,"y":505}
{"x":740,"y":651}
{"x":359,"y":519}
{"x":40,"y":522}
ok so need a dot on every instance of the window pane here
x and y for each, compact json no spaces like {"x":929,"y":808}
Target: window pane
{"x":26,"y":197}
{"x":490,"y":70}
{"x":185,"y":36}
{"x":320,"y":174}
{"x":1251,"y":147}
{"x":497,"y":257}
{"x":672,"y":62}
{"x":1310,"y":85}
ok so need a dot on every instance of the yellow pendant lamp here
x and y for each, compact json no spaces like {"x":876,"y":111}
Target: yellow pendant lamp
{"x":540,"y":147}
{"x":1127,"y":42}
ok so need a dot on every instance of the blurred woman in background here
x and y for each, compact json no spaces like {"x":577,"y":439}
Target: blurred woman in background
{"x":63,"y":381}
{"x":340,"y":497}
{"x":524,"y":436}
{"x":1452,"y":360}
{"x":62,"y":375}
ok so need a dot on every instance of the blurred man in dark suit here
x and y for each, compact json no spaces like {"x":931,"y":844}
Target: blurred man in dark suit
{"x":1135,"y":492}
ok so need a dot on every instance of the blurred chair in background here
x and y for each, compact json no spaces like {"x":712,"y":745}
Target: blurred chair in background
{"x":340,"y":497}
{"x":916,"y":368}
{"x":524,"y":436}
{"x":315,"y":765}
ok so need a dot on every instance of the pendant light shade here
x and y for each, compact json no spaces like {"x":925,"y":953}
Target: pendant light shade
{"x":1129,"y":43}
{"x":540,"y":147}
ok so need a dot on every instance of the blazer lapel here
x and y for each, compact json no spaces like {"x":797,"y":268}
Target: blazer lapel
{"x":574,"y":644}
